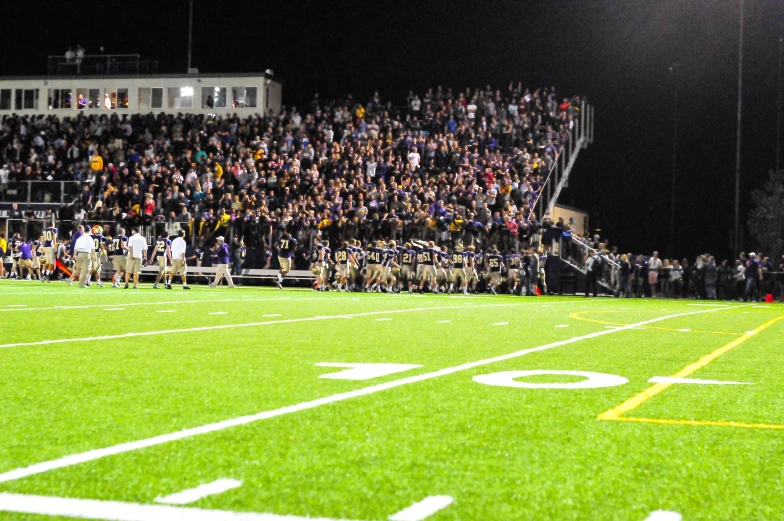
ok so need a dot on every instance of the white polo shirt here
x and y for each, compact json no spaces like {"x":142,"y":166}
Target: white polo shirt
{"x":138,"y":244}
{"x":84,"y":244}
{"x":178,"y":248}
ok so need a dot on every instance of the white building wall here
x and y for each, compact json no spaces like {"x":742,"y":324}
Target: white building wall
{"x":47,"y":95}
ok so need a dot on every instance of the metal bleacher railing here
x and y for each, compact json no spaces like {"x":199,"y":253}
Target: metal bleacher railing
{"x":40,"y":192}
{"x":580,"y":136}
{"x":100,"y":64}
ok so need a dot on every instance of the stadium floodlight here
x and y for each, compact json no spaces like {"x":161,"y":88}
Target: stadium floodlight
{"x":186,"y":91}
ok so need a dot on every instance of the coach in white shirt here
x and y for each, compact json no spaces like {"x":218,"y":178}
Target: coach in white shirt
{"x":85,"y":251}
{"x":137,"y":246}
{"x":178,"y":259}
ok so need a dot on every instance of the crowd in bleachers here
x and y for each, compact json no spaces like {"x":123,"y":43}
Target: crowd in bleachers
{"x":444,"y":166}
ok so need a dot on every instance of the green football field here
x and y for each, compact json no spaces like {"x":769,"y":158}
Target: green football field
{"x":222,"y":405}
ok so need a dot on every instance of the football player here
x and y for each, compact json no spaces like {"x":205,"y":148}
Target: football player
{"x":119,"y":252}
{"x":13,"y":251}
{"x":407,"y":258}
{"x":38,"y":256}
{"x":513,"y":272}
{"x":428,"y":257}
{"x":50,"y":247}
{"x":388,"y":265}
{"x":286,"y":245}
{"x":373,"y":257}
{"x":161,"y":253}
{"x":495,"y":262}
{"x":459,"y":264}
{"x":100,"y":243}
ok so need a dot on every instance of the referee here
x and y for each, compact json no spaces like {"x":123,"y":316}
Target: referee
{"x":85,"y":251}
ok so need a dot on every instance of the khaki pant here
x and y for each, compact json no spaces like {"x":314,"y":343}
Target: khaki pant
{"x":285,"y":263}
{"x":161,"y":264}
{"x":428,"y":271}
{"x":134,"y":265}
{"x":223,"y":271}
{"x":495,"y":277}
{"x":49,"y":255}
{"x":83,"y":267}
{"x":458,"y":274}
{"x":178,"y":266}
{"x":120,"y":262}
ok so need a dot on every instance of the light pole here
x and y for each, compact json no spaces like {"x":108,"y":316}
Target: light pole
{"x":674,"y":71}
{"x":190,"y":33}
{"x":778,"y":106}
{"x":736,"y":242}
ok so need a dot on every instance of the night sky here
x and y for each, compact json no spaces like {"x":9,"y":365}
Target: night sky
{"x":616,"y":53}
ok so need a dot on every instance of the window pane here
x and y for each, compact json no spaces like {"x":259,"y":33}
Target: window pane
{"x":250,"y":96}
{"x":81,"y":99}
{"x":31,"y":99}
{"x":54,"y":99}
{"x":18,"y":99}
{"x":157,"y":98}
{"x":94,"y":98}
{"x":180,"y":97}
{"x":238,"y":97}
{"x":207,"y":98}
{"x":220,"y":97}
{"x":144,"y":98}
{"x":109,"y":98}
{"x":122,"y":98}
{"x":65,"y":98}
{"x":5,"y":99}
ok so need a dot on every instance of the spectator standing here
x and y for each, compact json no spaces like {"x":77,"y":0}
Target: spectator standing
{"x":179,"y":265}
{"x":85,"y":252}
{"x":711,"y":276}
{"x":223,"y":264}
{"x":654,"y":265}
{"x":137,"y":246}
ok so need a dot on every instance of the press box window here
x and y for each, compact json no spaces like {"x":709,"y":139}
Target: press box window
{"x":243,"y":97}
{"x":5,"y":99}
{"x":180,"y":97}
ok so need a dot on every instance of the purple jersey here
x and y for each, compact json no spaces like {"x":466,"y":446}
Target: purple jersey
{"x":285,"y":247}
{"x":160,"y":247}
{"x":50,"y":237}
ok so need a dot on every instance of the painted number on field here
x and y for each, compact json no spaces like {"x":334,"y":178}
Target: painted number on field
{"x":364,"y":371}
{"x":509,"y":379}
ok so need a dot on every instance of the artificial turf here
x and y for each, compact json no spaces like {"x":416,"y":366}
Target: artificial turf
{"x":502,"y":453}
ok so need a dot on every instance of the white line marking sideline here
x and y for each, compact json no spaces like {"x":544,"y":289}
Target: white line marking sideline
{"x":95,"y":454}
{"x":218,"y":313}
{"x":695,"y":381}
{"x":443,"y":321}
{"x":562,"y":325}
{"x":194,"y":494}
{"x":121,"y":511}
{"x":247,"y":324}
{"x":383,"y":319}
{"x":664,"y":515}
{"x":501,"y":324}
{"x":167,"y":311}
{"x":423,"y":509}
{"x":114,"y":309}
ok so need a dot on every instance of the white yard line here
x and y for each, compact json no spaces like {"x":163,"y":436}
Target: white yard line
{"x":664,"y":515}
{"x":164,"y":303}
{"x":192,"y":495}
{"x":249,"y":324}
{"x":92,"y":455}
{"x":423,"y":509}
{"x":122,"y":511}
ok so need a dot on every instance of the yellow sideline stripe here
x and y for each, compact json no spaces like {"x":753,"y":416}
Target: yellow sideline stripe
{"x":578,"y":316}
{"x":635,"y":401}
{"x":698,"y":422}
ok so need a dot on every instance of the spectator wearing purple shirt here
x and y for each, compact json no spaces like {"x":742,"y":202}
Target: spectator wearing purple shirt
{"x":25,"y":258}
{"x":224,"y":257}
